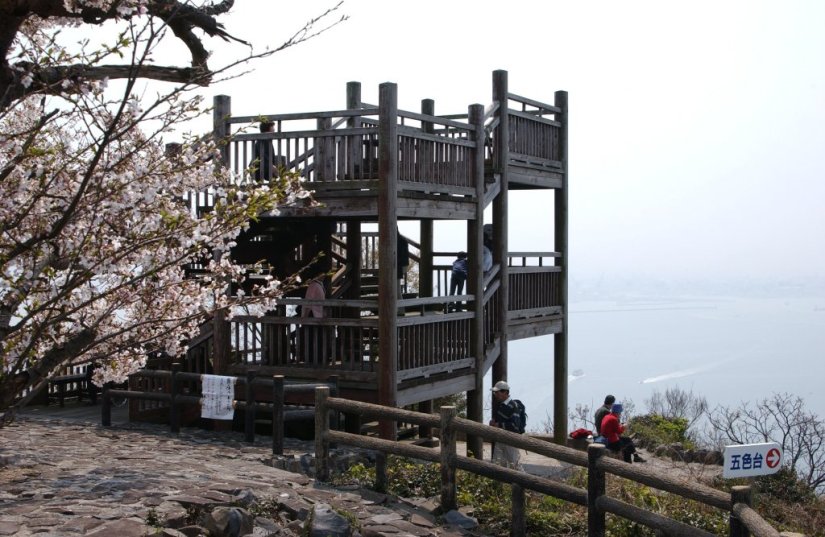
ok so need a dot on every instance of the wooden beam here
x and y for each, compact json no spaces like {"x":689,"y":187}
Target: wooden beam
{"x":475,"y":398}
{"x":500,"y":215}
{"x":561,"y":245}
{"x":387,"y":251}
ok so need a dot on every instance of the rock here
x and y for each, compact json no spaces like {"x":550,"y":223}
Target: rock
{"x":228,"y":522}
{"x":461,"y":520}
{"x":295,"y":509}
{"x":245,"y":498}
{"x":714,"y":457}
{"x":327,"y":523}
{"x":172,"y":514}
{"x":126,"y":527}
{"x":267,"y":524}
{"x":385,"y":518}
{"x":193,"y":531}
{"x":169,"y":532}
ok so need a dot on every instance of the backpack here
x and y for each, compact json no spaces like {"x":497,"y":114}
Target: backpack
{"x":520,"y":417}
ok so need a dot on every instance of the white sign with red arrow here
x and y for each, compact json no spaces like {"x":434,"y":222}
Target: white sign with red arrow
{"x":752,"y":459}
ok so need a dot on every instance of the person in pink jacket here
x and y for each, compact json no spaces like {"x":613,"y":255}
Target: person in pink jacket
{"x":611,"y":428}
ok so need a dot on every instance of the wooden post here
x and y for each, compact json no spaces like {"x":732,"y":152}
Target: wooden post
{"x":501,"y":150}
{"x":739,"y":494}
{"x":475,"y":397}
{"x":382,"y":480}
{"x":387,"y":253}
{"x":277,"y":414}
{"x":221,"y":112}
{"x":596,"y":486}
{"x":325,"y":152}
{"x":354,"y":258}
{"x":353,"y":142}
{"x":518,"y":526}
{"x":425,"y":267}
{"x":560,"y":339}
{"x":221,"y":343}
{"x":425,"y":407}
{"x":249,"y":413}
{"x":174,"y":409}
{"x":448,"y":457}
{"x":321,"y":430}
{"x":106,"y":406}
{"x":334,"y":391}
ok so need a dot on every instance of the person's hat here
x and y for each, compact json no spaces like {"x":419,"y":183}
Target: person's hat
{"x":616,"y":408}
{"x":501,"y":386}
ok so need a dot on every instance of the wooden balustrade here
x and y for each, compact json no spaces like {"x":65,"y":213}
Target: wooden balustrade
{"x":743,"y":518}
{"x":168,"y":391}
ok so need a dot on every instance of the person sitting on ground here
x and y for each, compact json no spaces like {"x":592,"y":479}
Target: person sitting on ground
{"x":611,"y":429}
{"x":603,"y":411}
{"x":509,"y":415}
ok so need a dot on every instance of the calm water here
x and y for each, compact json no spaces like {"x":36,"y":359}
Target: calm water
{"x":727,"y":349}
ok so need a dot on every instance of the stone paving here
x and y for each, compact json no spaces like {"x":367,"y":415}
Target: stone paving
{"x":69,"y":478}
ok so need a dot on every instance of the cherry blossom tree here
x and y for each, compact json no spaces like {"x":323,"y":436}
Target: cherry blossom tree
{"x":96,"y":220}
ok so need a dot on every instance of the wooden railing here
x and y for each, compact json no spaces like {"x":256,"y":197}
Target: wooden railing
{"x":534,"y":139}
{"x":173,"y":389}
{"x":336,"y":342}
{"x":324,"y":147}
{"x":320,"y":146}
{"x":535,"y":284}
{"x":743,"y":519}
{"x":433,"y":344}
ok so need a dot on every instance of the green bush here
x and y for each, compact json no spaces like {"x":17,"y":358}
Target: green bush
{"x":785,"y":485}
{"x":653,"y":430}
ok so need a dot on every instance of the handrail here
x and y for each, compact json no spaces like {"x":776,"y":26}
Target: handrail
{"x":439,"y":120}
{"x":373,"y":111}
{"x":532,"y":102}
{"x":175,"y":399}
{"x":594,"y":497}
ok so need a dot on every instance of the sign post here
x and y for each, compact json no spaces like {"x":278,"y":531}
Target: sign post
{"x":748,"y":460}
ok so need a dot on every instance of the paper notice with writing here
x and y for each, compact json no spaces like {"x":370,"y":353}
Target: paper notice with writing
{"x":218,"y":393}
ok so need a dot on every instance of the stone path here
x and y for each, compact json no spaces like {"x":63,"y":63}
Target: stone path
{"x":69,"y":478}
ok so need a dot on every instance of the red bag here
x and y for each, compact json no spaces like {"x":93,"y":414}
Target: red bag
{"x":580,"y":433}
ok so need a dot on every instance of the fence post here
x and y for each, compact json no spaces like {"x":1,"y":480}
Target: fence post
{"x":518,"y":527}
{"x":382,"y":480}
{"x":249,"y":415}
{"x":106,"y":406}
{"x":174,"y":409}
{"x":277,"y":414}
{"x":321,"y":430}
{"x":334,"y":391}
{"x":739,"y":494}
{"x":595,"y":488}
{"x":448,"y":455}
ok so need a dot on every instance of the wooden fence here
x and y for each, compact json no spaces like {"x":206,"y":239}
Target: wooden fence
{"x":744,"y":520}
{"x":171,"y":391}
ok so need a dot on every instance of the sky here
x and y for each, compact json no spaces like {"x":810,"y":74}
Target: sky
{"x":696,"y":127}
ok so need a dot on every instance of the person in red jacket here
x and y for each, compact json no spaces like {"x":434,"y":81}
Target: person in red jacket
{"x":612,"y":429}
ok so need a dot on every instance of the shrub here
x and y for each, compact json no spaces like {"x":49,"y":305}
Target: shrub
{"x":653,"y":430}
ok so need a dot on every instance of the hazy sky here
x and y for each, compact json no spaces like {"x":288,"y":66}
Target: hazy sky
{"x":697,"y":129}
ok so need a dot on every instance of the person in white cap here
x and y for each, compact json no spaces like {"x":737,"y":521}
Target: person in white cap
{"x":509,"y":415}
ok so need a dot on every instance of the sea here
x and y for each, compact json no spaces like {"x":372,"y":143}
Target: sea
{"x":727,"y":349}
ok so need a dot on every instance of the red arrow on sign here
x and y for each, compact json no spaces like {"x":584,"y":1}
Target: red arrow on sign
{"x":772,"y":458}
